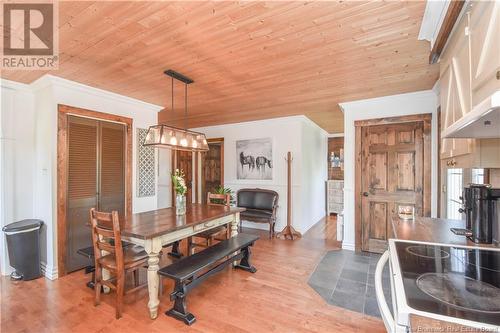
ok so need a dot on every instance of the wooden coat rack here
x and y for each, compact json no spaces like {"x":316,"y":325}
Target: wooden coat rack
{"x":289,"y":232}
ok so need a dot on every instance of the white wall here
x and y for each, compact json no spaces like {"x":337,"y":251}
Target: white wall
{"x":314,"y":173}
{"x":17,"y":157}
{"x":48,"y":92}
{"x":389,"y":106}
{"x":295,"y":134}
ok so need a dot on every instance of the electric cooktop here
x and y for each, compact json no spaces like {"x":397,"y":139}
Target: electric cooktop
{"x":451,"y":281}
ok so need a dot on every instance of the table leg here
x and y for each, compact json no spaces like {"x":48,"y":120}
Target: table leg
{"x":234,"y":224}
{"x":153,"y":248}
{"x":234,"y":230}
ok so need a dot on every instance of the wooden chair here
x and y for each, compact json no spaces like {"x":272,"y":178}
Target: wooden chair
{"x":114,"y":258}
{"x":209,"y":236}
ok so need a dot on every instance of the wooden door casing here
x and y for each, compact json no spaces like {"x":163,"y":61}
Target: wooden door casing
{"x":394,"y":170}
{"x":62,"y":172}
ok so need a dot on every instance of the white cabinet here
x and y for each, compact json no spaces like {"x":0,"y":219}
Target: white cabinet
{"x":334,"y":196}
{"x":470,"y":72}
{"x":455,"y":84}
{"x":485,"y":49}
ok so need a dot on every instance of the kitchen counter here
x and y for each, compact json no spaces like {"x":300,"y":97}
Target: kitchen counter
{"x":433,"y":230}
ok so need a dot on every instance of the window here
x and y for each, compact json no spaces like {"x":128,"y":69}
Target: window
{"x":454,"y":181}
{"x":477,"y":176}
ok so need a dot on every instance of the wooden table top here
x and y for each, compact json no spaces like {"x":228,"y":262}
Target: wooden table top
{"x":158,"y":222}
{"x":434,"y":230}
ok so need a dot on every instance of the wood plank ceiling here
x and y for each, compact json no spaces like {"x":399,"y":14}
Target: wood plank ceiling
{"x":249,"y":60}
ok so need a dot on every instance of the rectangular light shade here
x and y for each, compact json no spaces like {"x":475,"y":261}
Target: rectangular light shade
{"x":163,"y":136}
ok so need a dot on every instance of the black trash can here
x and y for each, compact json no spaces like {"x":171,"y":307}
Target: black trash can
{"x":23,"y":243}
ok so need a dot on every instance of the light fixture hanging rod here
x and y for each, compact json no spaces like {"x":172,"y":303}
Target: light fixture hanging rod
{"x":178,"y":76}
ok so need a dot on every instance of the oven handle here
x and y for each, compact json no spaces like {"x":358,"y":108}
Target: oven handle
{"x":385,"y":312}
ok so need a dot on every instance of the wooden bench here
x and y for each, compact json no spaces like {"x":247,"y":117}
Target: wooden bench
{"x":188,"y":272}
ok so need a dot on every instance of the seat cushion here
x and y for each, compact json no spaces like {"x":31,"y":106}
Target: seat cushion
{"x":256,"y":214}
{"x":132,"y":255}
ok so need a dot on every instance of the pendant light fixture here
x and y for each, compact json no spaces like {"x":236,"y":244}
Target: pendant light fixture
{"x":164,"y":136}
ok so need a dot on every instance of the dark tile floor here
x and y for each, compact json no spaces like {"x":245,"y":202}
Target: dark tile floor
{"x":346,"y":279}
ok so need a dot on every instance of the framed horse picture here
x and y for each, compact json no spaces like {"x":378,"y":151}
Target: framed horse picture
{"x":254,"y":159}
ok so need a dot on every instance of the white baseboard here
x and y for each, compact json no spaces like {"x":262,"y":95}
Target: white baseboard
{"x":348,"y":246}
{"x":50,"y":272}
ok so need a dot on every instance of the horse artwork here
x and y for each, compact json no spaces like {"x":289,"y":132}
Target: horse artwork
{"x":247,"y":160}
{"x":261,"y":163}
{"x":254,"y":158}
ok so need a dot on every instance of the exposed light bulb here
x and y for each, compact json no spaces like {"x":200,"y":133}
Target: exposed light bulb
{"x":195,"y":144}
{"x":184,"y":142}
{"x":173,"y":140}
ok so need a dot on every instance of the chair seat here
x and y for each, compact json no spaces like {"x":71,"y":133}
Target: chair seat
{"x":256,"y":213}
{"x":132,"y":256}
{"x":211,"y":232}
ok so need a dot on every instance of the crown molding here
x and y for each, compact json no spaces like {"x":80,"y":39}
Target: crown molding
{"x":15,"y":85}
{"x":49,"y":80}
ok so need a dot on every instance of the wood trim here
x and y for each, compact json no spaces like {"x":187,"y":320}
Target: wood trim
{"x":62,"y":170}
{"x":394,"y":120}
{"x":357,"y":190}
{"x":196,"y":176}
{"x":427,"y":188}
{"x":450,"y":18}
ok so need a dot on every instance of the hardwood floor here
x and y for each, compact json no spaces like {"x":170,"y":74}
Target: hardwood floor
{"x":275,"y":299}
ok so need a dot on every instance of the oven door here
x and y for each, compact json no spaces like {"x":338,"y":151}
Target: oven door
{"x":390,"y":320}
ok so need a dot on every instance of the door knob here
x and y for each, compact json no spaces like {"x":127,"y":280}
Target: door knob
{"x":365,"y":194}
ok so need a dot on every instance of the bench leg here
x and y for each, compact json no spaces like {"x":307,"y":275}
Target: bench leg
{"x":245,"y":261}
{"x":179,"y":311}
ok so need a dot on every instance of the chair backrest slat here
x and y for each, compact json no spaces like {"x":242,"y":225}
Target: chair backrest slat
{"x":215,"y":199}
{"x":106,"y":229}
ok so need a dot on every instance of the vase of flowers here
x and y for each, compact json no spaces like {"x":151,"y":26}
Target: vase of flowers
{"x":180,"y":189}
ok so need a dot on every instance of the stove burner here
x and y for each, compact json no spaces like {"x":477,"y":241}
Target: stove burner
{"x":461,"y":292}
{"x":426,"y":251}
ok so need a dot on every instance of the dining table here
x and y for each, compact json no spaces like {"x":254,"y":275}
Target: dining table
{"x":157,"y":228}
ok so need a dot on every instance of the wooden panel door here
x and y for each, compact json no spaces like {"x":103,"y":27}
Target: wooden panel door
{"x":392,"y":158}
{"x":82,"y":187}
{"x":212,"y":168}
{"x":184,"y":162}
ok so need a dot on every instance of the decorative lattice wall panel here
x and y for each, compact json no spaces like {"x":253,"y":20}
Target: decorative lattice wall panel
{"x":146,"y":173}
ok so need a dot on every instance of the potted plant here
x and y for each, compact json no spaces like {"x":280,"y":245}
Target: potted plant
{"x":223,"y":190}
{"x":180,"y":189}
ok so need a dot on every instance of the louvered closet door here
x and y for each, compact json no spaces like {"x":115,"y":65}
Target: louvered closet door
{"x":112,"y":168}
{"x":82,"y":187}
{"x":96,"y":179}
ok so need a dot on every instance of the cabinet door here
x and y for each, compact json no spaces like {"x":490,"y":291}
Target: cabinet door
{"x":455,"y":88}
{"x":485,"y":48}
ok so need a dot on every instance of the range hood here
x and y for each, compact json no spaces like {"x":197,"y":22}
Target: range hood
{"x":482,"y":122}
